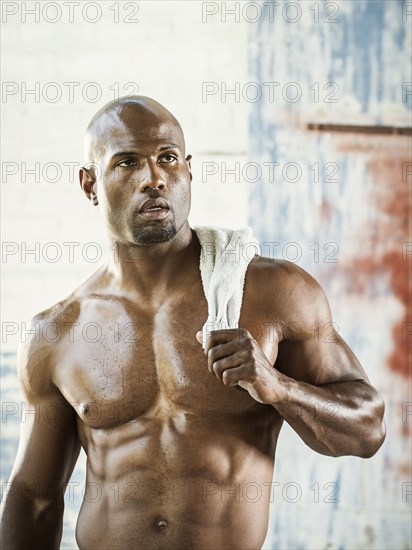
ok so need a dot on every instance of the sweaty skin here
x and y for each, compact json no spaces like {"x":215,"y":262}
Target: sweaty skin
{"x":180,"y":442}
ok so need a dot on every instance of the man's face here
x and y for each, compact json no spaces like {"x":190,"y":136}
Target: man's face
{"x":144,"y":183}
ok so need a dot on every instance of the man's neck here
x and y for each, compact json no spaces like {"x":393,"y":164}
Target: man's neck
{"x":156,"y":271}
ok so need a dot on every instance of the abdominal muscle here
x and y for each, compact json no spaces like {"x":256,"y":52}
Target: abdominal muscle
{"x":177,"y":484}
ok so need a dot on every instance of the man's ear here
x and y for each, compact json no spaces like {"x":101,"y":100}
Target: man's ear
{"x":87,"y":178}
{"x":188,"y":160}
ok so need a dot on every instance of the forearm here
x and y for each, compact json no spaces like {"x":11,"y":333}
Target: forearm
{"x":343,"y":418}
{"x":27,"y":522}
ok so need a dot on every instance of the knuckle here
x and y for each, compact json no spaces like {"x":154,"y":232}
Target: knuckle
{"x":252,"y":367}
{"x":216,"y":366}
{"x":226,"y":378}
{"x":244,"y":355}
{"x":248,"y":344}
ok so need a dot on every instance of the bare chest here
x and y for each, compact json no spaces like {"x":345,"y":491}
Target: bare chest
{"x":120,"y":362}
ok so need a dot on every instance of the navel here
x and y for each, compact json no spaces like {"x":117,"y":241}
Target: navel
{"x":162,"y":524}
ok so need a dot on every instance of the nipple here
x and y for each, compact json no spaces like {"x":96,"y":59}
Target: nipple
{"x":162,"y":524}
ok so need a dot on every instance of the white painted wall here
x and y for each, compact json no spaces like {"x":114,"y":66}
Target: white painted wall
{"x":168,"y":55}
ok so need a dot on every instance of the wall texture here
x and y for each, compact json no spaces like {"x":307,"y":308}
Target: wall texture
{"x":339,"y":204}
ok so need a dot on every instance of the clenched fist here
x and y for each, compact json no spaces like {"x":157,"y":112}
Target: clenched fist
{"x":235,"y":358}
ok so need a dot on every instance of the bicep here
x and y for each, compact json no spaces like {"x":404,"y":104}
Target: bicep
{"x":48,"y":447}
{"x":48,"y":444}
{"x":314,"y":352}
{"x":319,"y":361}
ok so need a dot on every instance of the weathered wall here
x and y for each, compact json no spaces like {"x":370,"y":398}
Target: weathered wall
{"x":338,"y":203}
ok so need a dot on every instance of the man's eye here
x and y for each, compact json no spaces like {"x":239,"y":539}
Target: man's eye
{"x":126,"y":163}
{"x":168,"y":158}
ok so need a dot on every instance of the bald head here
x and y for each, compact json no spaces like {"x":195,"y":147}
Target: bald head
{"x":137,"y":116}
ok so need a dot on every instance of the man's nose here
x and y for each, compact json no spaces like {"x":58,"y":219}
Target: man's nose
{"x":152,"y":177}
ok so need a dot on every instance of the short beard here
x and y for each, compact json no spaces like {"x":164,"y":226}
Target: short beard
{"x":147,"y":236}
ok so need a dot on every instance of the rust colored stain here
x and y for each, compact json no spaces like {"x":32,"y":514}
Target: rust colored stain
{"x":326,"y":211}
{"x":396,"y":206}
{"x":363,"y":269}
{"x":392,"y":198}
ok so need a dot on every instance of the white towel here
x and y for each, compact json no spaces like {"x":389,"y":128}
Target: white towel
{"x":224,"y":258}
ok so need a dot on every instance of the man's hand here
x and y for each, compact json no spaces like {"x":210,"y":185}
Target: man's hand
{"x":235,"y":358}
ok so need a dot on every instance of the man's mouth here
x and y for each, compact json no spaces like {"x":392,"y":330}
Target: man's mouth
{"x":154,"y":209}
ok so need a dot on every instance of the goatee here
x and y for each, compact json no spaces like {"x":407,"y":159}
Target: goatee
{"x":147,"y":236}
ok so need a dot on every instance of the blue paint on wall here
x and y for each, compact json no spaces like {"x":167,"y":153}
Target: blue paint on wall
{"x":367,"y":54}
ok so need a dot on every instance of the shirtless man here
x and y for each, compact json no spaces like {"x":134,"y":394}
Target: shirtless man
{"x":173,"y":434}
